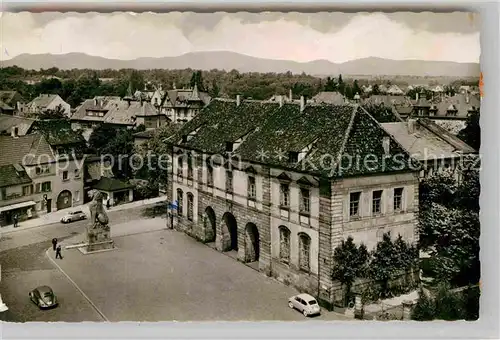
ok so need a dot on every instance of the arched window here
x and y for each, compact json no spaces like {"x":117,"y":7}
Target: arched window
{"x":180,"y":165}
{"x":284,"y":244}
{"x":190,"y":201}
{"x":180,"y":195}
{"x":190,"y":167}
{"x":304,"y":252}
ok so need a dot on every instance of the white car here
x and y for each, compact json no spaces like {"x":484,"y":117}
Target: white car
{"x":73,"y":216}
{"x":304,"y":303}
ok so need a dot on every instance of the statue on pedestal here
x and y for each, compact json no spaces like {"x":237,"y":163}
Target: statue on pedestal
{"x":98,"y":231}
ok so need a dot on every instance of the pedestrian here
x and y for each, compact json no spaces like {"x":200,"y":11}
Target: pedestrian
{"x":16,"y":224}
{"x":54,"y":243}
{"x":107,"y":204}
{"x":58,"y":251}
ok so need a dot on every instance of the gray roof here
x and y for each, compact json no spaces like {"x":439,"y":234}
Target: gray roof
{"x":114,"y":109}
{"x":329,"y":97}
{"x":43,"y":100}
{"x":14,"y":150}
{"x":7,"y":122}
{"x":427,"y":141}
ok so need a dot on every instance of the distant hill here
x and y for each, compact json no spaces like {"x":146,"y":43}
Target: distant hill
{"x":243,"y":63}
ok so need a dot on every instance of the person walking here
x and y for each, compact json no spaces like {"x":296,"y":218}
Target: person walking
{"x":108,"y":204}
{"x":16,"y":221}
{"x":58,"y":251}
{"x":54,"y":243}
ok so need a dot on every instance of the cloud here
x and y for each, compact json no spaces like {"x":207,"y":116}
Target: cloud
{"x":126,"y":36}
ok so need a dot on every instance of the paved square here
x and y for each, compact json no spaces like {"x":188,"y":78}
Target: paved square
{"x":166,"y":275}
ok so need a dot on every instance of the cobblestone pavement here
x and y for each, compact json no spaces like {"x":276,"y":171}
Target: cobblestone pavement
{"x":166,"y":275}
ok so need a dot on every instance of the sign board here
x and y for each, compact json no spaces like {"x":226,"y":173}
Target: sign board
{"x":173,"y":205}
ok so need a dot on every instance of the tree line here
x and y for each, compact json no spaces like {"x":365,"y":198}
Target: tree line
{"x":76,"y":85}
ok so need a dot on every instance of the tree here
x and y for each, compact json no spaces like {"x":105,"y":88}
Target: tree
{"x":136,"y":81}
{"x":215,"y":90}
{"x":471,"y":133}
{"x":197,"y":79}
{"x":350,"y":262}
{"x":375,"y":90}
{"x":355,"y":88}
{"x":384,"y":263}
{"x":341,"y":85}
{"x":425,"y":309}
{"x":449,"y":227}
{"x":330,"y":85}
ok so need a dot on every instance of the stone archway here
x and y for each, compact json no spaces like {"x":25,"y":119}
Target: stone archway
{"x":209,"y":223}
{"x":229,"y":235}
{"x":252,"y":243}
{"x":64,"y":200}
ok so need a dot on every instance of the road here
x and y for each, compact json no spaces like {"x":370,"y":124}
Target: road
{"x":152,"y":275}
{"x":25,"y":266}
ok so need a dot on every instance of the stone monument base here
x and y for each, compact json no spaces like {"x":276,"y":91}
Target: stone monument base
{"x":98,"y":247}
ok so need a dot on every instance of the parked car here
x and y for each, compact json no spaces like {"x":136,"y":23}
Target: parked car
{"x":304,"y":303}
{"x":43,"y":297}
{"x":73,"y":216}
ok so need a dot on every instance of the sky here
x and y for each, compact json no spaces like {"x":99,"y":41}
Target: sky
{"x":337,"y":37}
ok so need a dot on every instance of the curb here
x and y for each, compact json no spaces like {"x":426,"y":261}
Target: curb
{"x":13,"y":230}
{"x":76,"y":286}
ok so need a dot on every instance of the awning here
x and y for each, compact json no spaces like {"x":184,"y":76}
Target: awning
{"x":17,"y":206}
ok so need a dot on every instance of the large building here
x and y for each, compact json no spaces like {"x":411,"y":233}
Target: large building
{"x":279,"y":185}
{"x":44,"y":103}
{"x":117,"y":112}
{"x":35,"y":179}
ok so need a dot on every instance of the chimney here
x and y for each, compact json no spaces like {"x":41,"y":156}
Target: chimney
{"x":411,"y":125}
{"x":280,"y":100}
{"x":302,"y":103}
{"x":238,"y":100}
{"x":95,"y":101}
{"x":160,"y":87}
{"x":173,"y":85}
{"x":416,"y":96}
{"x":386,"y":144}
{"x":290,"y":95}
{"x":467,"y":99}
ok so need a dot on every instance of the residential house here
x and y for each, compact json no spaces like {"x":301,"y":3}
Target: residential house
{"x":400,"y":105}
{"x":435,"y":148}
{"x":115,"y":190}
{"x":44,"y":103}
{"x":394,"y":90}
{"x":115,"y":111}
{"x":329,"y":97}
{"x":273,"y":184}
{"x":57,"y":182}
{"x":14,"y":125}
{"x":181,"y":105}
{"x":449,"y":112}
{"x":16,"y":194}
{"x":11,"y":102}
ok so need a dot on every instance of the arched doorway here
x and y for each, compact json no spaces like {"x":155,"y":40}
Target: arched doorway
{"x":209,"y":224}
{"x":64,"y":200}
{"x":252,"y":243}
{"x":229,"y":233}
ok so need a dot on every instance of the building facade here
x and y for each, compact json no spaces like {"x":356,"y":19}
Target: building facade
{"x":281,"y":214}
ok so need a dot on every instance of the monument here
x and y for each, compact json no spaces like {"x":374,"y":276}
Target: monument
{"x":98,"y":236}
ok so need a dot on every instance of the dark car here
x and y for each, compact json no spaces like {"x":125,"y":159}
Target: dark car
{"x":43,"y":297}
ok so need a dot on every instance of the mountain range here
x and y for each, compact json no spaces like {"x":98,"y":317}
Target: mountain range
{"x":223,"y":60}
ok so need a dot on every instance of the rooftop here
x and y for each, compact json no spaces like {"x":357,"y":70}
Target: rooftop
{"x":25,"y":150}
{"x":10,"y":176}
{"x":323,"y":133}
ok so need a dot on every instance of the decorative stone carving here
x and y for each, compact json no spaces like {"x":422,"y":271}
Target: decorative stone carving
{"x":98,"y":230}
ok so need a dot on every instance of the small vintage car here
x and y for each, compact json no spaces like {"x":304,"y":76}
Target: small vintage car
{"x":304,"y":303}
{"x":73,"y":216}
{"x":43,"y":297}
